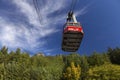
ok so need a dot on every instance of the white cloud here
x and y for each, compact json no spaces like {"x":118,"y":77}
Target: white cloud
{"x":24,"y":7}
{"x":17,"y":35}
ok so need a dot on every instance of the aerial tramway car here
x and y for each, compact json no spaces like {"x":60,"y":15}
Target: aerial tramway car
{"x":72,"y":31}
{"x":72,"y":34}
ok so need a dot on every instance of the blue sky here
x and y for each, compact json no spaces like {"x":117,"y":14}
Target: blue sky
{"x":20,"y":27}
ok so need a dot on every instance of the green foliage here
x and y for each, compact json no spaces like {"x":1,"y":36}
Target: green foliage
{"x":97,"y":59}
{"x":114,"y":55}
{"x":72,"y":72}
{"x":4,"y":50}
{"x":73,"y":57}
{"x":19,"y":65}
{"x":104,"y":72}
{"x":84,"y":67}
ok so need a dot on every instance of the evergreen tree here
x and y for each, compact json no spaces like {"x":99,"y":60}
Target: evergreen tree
{"x":95,"y":59}
{"x":114,"y":55}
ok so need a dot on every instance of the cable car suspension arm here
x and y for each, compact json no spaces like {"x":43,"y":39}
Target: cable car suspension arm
{"x":71,"y":16}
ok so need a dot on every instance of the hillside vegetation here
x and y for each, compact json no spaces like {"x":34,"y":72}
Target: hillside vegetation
{"x":98,"y":66}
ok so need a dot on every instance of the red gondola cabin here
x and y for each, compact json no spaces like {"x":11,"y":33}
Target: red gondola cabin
{"x":72,"y":36}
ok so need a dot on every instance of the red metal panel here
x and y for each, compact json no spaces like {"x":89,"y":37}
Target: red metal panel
{"x":73,"y":28}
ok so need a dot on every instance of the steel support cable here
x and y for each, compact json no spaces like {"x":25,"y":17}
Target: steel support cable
{"x":35,"y":2}
{"x":73,"y":4}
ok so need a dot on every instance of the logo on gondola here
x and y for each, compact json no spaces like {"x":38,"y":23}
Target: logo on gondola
{"x":72,"y":28}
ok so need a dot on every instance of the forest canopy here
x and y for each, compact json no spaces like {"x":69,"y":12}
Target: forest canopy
{"x":17,"y":65}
